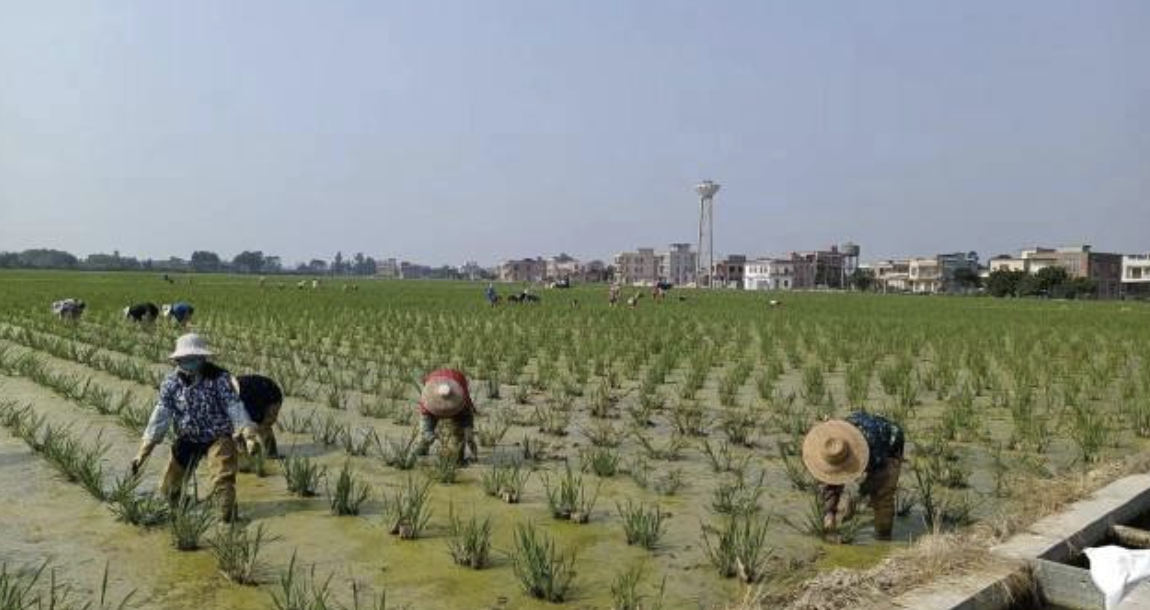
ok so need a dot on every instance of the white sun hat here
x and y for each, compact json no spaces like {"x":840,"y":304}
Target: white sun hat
{"x":190,"y":345}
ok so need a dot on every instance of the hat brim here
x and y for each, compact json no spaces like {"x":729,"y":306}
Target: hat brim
{"x":442,"y":406}
{"x":191,"y":353}
{"x":837,"y":473}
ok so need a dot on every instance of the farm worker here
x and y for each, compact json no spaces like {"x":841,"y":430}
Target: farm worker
{"x":613,"y":295}
{"x":142,"y":312}
{"x":492,"y":296}
{"x":69,"y":309}
{"x":445,"y":395}
{"x":262,"y":398}
{"x":199,"y":399}
{"x":837,"y":452}
{"x":181,"y":312}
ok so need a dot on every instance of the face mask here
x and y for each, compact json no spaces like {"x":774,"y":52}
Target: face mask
{"x":190,"y":365}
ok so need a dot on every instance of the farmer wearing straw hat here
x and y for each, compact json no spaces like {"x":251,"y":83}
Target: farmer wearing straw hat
{"x":445,"y":395}
{"x":837,"y":452}
{"x":199,"y":400}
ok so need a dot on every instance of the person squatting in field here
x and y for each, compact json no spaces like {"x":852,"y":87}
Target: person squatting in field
{"x":446,"y":396}
{"x":69,"y":309}
{"x":837,"y":452}
{"x":262,"y":398}
{"x":142,"y":312}
{"x":181,"y":312}
{"x":199,"y":401}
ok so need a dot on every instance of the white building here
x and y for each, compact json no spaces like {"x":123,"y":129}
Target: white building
{"x":678,"y":264}
{"x":793,"y":273}
{"x":924,"y":275}
{"x":1136,"y":274}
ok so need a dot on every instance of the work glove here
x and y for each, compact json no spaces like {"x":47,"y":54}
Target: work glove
{"x":146,"y":448}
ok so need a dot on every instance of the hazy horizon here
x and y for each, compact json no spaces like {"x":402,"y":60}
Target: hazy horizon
{"x":443,"y":132}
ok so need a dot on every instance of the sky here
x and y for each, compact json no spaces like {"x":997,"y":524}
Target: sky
{"x":447,"y":131}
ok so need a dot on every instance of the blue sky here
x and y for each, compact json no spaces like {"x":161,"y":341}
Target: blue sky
{"x":449,"y":131}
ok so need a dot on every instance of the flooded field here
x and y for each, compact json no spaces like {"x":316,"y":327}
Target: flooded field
{"x":690,"y":409}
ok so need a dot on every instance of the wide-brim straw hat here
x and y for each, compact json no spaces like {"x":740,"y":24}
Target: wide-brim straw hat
{"x":191,"y":345}
{"x":443,"y":397}
{"x":835,"y":452}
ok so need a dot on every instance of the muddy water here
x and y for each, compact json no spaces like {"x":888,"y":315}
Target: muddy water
{"x":53,"y":519}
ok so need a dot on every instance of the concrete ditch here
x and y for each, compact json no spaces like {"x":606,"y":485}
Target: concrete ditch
{"x":1050,"y":553}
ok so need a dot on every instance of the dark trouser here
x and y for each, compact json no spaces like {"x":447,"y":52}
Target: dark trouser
{"x":462,"y":430}
{"x":880,"y":487}
{"x":222,"y":462}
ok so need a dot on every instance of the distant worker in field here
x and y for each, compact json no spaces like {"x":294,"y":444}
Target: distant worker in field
{"x":613,"y":295}
{"x":491,"y":296}
{"x":446,"y":396}
{"x":262,"y":398}
{"x":69,"y":309}
{"x":200,"y":402}
{"x":838,"y":452}
{"x":181,"y":312}
{"x":142,"y":313}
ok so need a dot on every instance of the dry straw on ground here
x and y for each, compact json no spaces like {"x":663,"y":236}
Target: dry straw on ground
{"x":940,"y":555}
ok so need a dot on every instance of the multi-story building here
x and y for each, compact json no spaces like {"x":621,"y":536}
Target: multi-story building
{"x":678,"y":264}
{"x":1136,"y":275}
{"x":646,"y":266}
{"x":387,"y":268}
{"x":1104,"y":269}
{"x":794,"y":273}
{"x":472,"y":271}
{"x":833,"y":267}
{"x":523,"y":270}
{"x":563,"y":267}
{"x":639,"y":267}
{"x":924,"y":275}
{"x":414,"y":271}
{"x":730,"y":271}
{"x":942,"y":272}
{"x":892,"y":275}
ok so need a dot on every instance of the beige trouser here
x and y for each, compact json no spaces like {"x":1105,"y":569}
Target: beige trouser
{"x":223,"y":466}
{"x":881,"y":487}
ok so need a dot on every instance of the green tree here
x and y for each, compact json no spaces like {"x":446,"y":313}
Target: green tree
{"x":1004,"y":282}
{"x":205,"y":262}
{"x":862,"y":279}
{"x":248,"y":262}
{"x":967,"y":279}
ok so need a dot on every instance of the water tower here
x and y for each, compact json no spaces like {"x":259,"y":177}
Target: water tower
{"x":850,"y":251}
{"x":706,"y":190}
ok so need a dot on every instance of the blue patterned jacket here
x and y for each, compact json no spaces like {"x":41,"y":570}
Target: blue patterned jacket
{"x":202,"y":408}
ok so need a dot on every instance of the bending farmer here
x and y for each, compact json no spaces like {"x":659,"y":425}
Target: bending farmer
{"x":262,"y":398}
{"x":838,"y":452}
{"x":198,"y":400}
{"x":446,"y":396}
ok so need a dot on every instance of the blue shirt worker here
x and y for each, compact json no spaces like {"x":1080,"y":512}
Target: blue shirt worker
{"x":198,"y":400}
{"x":181,"y":312}
{"x":838,"y":452}
{"x":492,"y":297}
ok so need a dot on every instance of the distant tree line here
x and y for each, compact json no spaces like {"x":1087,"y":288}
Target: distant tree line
{"x":201,"y":261}
{"x":1049,"y":282}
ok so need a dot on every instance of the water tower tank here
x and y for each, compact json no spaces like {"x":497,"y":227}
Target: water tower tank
{"x":850,"y":249}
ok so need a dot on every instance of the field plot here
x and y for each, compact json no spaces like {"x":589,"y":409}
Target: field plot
{"x":629,"y":453}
